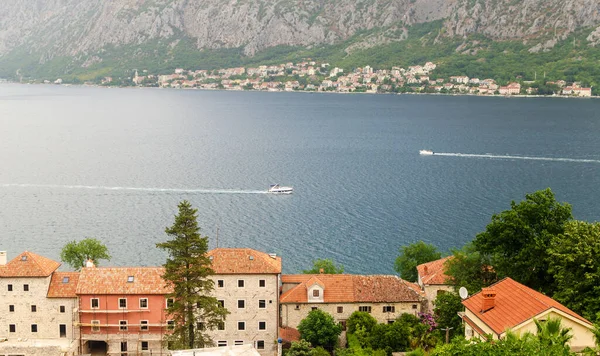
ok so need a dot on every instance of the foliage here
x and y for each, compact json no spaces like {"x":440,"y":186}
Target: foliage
{"x":470,"y":269}
{"x":517,"y":239}
{"x":320,"y":329}
{"x":551,"y":333}
{"x":575,"y":266}
{"x":413,"y":255}
{"x":300,"y":348}
{"x":319,"y":351}
{"x":360,"y":319}
{"x":327,"y":265}
{"x":75,"y":253}
{"x":446,"y":309}
{"x":187,"y":270}
{"x":511,"y":345}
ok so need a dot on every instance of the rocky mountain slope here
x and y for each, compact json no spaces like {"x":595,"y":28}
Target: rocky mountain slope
{"x":82,"y":33}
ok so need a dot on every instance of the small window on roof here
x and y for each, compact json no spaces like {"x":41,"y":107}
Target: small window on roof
{"x":24,"y":258}
{"x":130,"y":279}
{"x":251,"y":257}
{"x":65,"y":279}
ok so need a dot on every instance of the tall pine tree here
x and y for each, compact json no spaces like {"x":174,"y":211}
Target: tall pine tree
{"x":193,"y":309}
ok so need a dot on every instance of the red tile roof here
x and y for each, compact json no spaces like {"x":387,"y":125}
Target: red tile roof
{"x":243,"y":261}
{"x":114,"y":280}
{"x":347,"y":288}
{"x":63,"y":285}
{"x":29,"y":264}
{"x":289,"y":334}
{"x":433,"y":272}
{"x":514,"y":304}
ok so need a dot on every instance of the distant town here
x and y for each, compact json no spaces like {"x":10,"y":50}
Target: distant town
{"x":321,"y":77}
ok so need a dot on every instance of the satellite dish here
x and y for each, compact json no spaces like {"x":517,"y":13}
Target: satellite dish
{"x":463,"y":292}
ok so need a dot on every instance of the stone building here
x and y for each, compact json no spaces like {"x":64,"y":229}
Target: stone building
{"x":433,"y":280}
{"x":247,"y":284}
{"x":385,"y":297}
{"x":37,"y":307}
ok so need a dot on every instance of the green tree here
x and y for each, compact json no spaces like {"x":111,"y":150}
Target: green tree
{"x":551,"y":333}
{"x":360,"y":319}
{"x":470,"y":269}
{"x":446,"y":308}
{"x":300,"y":348}
{"x":187,"y":270}
{"x":326,"y":266}
{"x":413,"y":255}
{"x":575,"y":266}
{"x":517,"y":239}
{"x":320,"y":329}
{"x":76,"y":253}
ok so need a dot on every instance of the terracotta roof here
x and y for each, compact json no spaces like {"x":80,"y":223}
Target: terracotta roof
{"x":63,"y":285}
{"x":417,"y":288}
{"x":433,"y":272}
{"x":116,"y":280}
{"x":514,"y":304}
{"x":347,"y":288}
{"x":28,"y":264}
{"x":243,"y":261}
{"x":289,"y":334}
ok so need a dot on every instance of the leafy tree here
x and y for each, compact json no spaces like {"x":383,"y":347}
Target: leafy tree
{"x":188,"y":269}
{"x":320,"y":329}
{"x":75,"y":254}
{"x":300,"y":348}
{"x":470,"y":269}
{"x":325,"y":265}
{"x":319,"y":351}
{"x":413,"y":255}
{"x":517,"y":239}
{"x":360,"y":319}
{"x":551,"y":333}
{"x":446,"y":308}
{"x":575,"y":266}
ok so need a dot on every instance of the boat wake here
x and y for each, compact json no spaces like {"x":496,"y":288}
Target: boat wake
{"x":137,"y":189}
{"x":528,"y":158}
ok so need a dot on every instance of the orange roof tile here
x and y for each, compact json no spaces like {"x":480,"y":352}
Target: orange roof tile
{"x":114,"y":280}
{"x":243,"y":261}
{"x":433,"y":272}
{"x":289,"y":334}
{"x":514,"y":304}
{"x":347,"y":288}
{"x":63,"y":285}
{"x":29,"y":264}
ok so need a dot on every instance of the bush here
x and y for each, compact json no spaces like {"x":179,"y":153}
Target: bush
{"x":363,"y":319}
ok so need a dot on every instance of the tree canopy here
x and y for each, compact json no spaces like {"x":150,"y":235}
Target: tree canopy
{"x":76,"y":253}
{"x":320,"y":329}
{"x":326,"y":266}
{"x":470,"y":269}
{"x":413,"y":255}
{"x":358,"y":320}
{"x":187,"y":270}
{"x":446,"y":308}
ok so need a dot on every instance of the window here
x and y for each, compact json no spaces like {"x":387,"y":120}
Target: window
{"x":26,"y":287}
{"x":170,"y":302}
{"x":123,"y":325}
{"x":262,"y":304}
{"x":95,"y":325}
{"x":12,"y":328}
{"x":201,"y":326}
{"x":221,"y":303}
{"x":10,"y":287}
{"x":221,"y":325}
{"x":95,"y":303}
{"x":314,"y":308}
{"x":130,"y":279}
{"x":170,"y":324}
{"x":343,"y":324}
{"x":144,"y":325}
{"x":24,"y":258}
{"x":297,"y":307}
{"x":221,"y":343}
{"x":220,"y":283}
{"x":241,"y":325}
{"x":260,"y":345}
{"x":240,"y":283}
{"x":62,"y":330}
{"x":65,"y":280}
{"x":34,"y":328}
{"x":238,"y":342}
{"x":262,"y":325}
{"x":315,"y":293}
{"x":262,"y":283}
{"x":414,"y":306}
{"x":62,"y":308}
{"x":241,"y":304}
{"x":123,"y":347}
{"x":391,"y":321}
{"x":34,"y":308}
{"x":143,"y":303}
{"x":389,"y":309}
{"x":11,"y":308}
{"x":340,"y":309}
{"x":364,"y":309}
{"x":144,"y":345}
{"x":123,"y":303}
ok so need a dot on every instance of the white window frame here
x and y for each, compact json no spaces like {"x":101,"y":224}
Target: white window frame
{"x":262,"y":300}
{"x":222,"y":343}
{"x":238,"y":326}
{"x":238,"y":303}
{"x":167,"y":302}
{"x":146,"y":307}
{"x":142,"y":346}
{"x":260,"y":348}
{"x":170,"y":324}
{"x":96,"y":328}
{"x":262,"y":321}
{"x":243,"y":283}
{"x":238,"y":342}
{"x":123,"y":327}
{"x":144,"y":325}
{"x":263,"y":281}
{"x":222,"y":282}
{"x":219,"y":324}
{"x":120,"y":307}
{"x":92,"y":303}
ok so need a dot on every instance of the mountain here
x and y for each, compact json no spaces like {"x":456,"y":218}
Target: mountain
{"x":90,"y":38}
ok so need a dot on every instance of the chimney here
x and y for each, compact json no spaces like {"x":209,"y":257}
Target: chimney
{"x":2,"y":258}
{"x":321,"y":270}
{"x":90,"y":263}
{"x":489,"y":299}
{"x":425,"y":269}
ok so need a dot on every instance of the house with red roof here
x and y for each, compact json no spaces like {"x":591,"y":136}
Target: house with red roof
{"x":384,"y":297}
{"x":433,"y":279}
{"x":38,"y":306}
{"x":509,"y":305}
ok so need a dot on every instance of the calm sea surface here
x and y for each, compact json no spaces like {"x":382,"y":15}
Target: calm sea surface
{"x":113,"y":164}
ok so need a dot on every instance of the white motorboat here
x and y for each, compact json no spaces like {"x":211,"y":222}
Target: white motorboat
{"x":426,"y":152}
{"x":277,"y":189}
